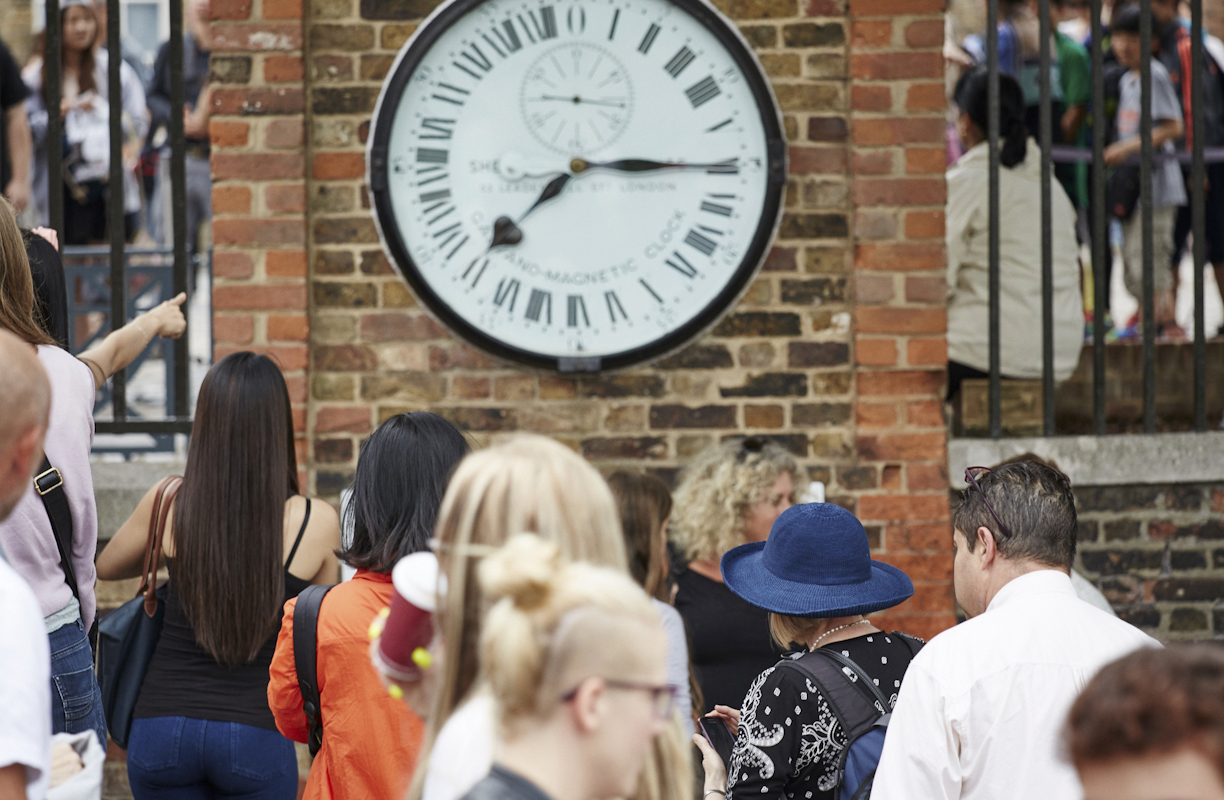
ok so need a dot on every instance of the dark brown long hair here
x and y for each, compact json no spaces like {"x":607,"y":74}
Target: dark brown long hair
{"x":229,"y":517}
{"x":85,"y":78}
{"x":643,"y":502}
{"x":18,"y":310}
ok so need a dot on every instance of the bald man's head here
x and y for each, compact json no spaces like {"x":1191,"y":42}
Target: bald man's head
{"x":25,"y":403}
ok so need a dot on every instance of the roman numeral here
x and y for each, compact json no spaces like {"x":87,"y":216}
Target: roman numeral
{"x":703,"y":91}
{"x":452,"y":100}
{"x":546,"y":24}
{"x":511,"y":40}
{"x":649,"y":38}
{"x":492,"y":43}
{"x":647,"y":287}
{"x":437,"y":196}
{"x":728,"y":167}
{"x":683,"y":266}
{"x":614,"y":306}
{"x":479,"y":61}
{"x":700,"y":242}
{"x":457,"y":247}
{"x":507,"y":289}
{"x":575,"y":305}
{"x":580,"y":20}
{"x":429,"y":155}
{"x":449,"y":210}
{"x":453,"y":230}
{"x":615,"y":17}
{"x":716,"y":208}
{"x":437,"y":128}
{"x":540,"y":301}
{"x":479,"y":272}
{"x":719,"y":126}
{"x":679,"y":61}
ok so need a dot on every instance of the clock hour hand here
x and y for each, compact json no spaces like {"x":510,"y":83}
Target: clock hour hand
{"x":507,"y":231}
{"x":641,"y":165}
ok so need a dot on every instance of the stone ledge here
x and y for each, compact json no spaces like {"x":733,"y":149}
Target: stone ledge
{"x":1103,"y":460}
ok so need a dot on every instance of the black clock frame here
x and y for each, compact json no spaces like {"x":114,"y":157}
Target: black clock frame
{"x":376,"y":178}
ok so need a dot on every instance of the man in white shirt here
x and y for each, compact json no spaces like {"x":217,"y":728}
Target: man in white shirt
{"x":982,"y":707}
{"x":25,"y":657}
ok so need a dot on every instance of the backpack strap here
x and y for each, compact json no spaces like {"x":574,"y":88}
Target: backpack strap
{"x":912,"y":642}
{"x":851,"y":699}
{"x":305,"y":658}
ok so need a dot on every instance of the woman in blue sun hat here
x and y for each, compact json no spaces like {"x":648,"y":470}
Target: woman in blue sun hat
{"x":816,"y":578}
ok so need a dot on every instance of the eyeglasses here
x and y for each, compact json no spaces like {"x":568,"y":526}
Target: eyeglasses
{"x":750,"y":444}
{"x":662,"y":698}
{"x":972,"y":481}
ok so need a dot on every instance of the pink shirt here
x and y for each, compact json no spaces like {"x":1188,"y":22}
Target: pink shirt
{"x":26,"y":535}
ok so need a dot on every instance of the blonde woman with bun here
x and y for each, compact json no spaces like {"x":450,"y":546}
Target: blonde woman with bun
{"x":574,"y":657}
{"x":729,"y":495}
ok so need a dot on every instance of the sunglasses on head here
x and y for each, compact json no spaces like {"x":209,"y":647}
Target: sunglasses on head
{"x":971,"y":479}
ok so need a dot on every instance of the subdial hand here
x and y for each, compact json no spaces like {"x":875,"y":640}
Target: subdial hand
{"x":507,"y":232}
{"x":579,"y":100}
{"x":579,"y":165}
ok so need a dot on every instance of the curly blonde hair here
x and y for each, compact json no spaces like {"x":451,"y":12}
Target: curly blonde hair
{"x":716,"y":489}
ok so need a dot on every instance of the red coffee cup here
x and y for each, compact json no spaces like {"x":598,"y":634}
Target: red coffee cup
{"x":409,"y":625}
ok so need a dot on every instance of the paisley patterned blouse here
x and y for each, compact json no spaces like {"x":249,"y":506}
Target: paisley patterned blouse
{"x":789,"y":740}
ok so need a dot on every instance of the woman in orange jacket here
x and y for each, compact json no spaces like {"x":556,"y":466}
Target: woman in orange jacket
{"x":370,"y":740}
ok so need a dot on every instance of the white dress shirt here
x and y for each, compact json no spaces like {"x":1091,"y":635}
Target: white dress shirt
{"x":25,"y":691}
{"x":982,"y":707}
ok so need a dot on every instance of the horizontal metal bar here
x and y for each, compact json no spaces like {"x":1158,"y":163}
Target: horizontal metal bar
{"x":79,"y":250}
{"x":151,"y":426}
{"x":1066,"y":154}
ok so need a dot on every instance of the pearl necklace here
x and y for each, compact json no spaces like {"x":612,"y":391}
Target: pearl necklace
{"x":816,"y":643}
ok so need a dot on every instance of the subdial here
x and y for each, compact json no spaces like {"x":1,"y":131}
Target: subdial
{"x":576,"y":98}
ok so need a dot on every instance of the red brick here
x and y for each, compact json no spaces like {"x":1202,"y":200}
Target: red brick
{"x":285,"y":133}
{"x":232,"y":264}
{"x":919,"y":33}
{"x":259,"y":231}
{"x":871,"y":33}
{"x":284,"y":9}
{"x":899,"y":192}
{"x":873,"y":162}
{"x":926,"y":289}
{"x":803,"y":161}
{"x":780,"y":259}
{"x":392,"y":327}
{"x":295,"y":328}
{"x":231,"y":199}
{"x":233,"y":328}
{"x":258,"y":166}
{"x":875,"y":352}
{"x":922,"y":536}
{"x":223,"y":133}
{"x":926,"y":97}
{"x":906,"y":382}
{"x":870,"y":289}
{"x":285,"y":264}
{"x":927,"y":477}
{"x":925,"y":413}
{"x":283,"y":69}
{"x":259,"y":298}
{"x":257,"y":101}
{"x":890,"y":131}
{"x":875,"y":224}
{"x":931,"y":596}
{"x":924,"y":225}
{"x":913,"y":256}
{"x":900,"y":320}
{"x":927,"y":507}
{"x":926,"y":160}
{"x":870,"y":98}
{"x":902,"y":447}
{"x":895,"y":65}
{"x":255,"y":38}
{"x":229,"y":9}
{"x":285,"y":198}
{"x":890,"y":478}
{"x":875,"y":415}
{"x":467,"y":387}
{"x":880,"y":8}
{"x":354,"y":419}
{"x":920,"y":566}
{"x":926,"y":352}
{"x":297,"y":387}
{"x":341,"y":166}
{"x":290,"y":358}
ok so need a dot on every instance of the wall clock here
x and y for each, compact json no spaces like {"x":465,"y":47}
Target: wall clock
{"x":577,"y":185}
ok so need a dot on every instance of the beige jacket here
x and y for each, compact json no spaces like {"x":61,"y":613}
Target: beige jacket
{"x":968,"y":238}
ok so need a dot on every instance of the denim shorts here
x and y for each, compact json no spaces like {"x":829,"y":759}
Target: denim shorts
{"x":195,"y":759}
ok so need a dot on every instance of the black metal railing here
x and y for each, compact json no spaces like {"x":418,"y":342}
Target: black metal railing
{"x":1100,"y":221}
{"x":178,"y":364}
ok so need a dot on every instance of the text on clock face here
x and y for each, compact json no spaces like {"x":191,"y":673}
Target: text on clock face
{"x":577,"y":177}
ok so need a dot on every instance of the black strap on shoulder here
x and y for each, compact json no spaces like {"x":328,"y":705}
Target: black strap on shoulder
{"x":852,"y":696}
{"x":912,"y":642}
{"x":49,"y":483}
{"x":305,"y":658}
{"x":298,"y":540}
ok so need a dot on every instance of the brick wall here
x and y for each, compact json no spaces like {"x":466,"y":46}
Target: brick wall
{"x":835,"y":350}
{"x":1157,"y":552}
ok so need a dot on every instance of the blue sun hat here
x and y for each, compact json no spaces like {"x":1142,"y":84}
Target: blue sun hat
{"x":816,"y":563}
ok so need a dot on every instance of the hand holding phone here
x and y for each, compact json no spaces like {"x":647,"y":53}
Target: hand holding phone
{"x":715,"y":731}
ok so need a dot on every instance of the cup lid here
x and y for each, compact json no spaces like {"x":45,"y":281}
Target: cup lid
{"x":419,"y":581}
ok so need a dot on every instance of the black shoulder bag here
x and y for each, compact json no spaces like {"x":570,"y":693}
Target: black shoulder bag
{"x":305,"y":659}
{"x":49,"y":483}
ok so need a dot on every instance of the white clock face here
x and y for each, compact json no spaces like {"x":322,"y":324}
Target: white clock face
{"x":583,"y":181}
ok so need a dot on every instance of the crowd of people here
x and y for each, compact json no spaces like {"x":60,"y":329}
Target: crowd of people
{"x":1020,"y":253}
{"x":591,"y":637}
{"x":84,"y":111}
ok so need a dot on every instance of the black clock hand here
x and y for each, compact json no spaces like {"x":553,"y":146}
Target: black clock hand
{"x":577,"y":100}
{"x":507,"y":232}
{"x":640,"y":165}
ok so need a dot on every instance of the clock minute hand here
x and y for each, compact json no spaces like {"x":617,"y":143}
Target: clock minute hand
{"x":641,"y":165}
{"x":507,"y":232}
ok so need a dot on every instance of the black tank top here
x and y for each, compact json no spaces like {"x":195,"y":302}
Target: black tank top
{"x":184,"y":680}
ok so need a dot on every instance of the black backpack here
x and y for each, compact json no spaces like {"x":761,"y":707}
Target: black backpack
{"x":305,"y":658}
{"x":861,"y":709}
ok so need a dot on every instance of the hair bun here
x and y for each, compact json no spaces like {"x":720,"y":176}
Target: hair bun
{"x":524,"y":571}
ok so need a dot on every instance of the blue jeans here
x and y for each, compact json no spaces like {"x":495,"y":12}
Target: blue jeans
{"x":76,"y":700}
{"x":178,"y":758}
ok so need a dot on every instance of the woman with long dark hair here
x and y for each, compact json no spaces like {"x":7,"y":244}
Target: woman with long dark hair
{"x":240,"y":543}
{"x":370,"y":739}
